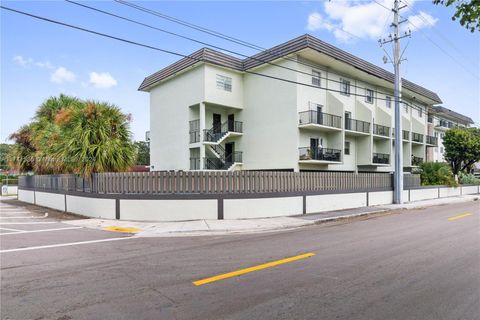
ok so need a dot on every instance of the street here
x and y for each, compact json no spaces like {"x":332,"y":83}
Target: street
{"x":411,"y":264}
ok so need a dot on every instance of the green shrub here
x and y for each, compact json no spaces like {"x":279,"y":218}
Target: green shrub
{"x":465,"y":178}
{"x":436,"y":173}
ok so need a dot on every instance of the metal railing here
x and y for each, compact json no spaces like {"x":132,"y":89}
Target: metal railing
{"x":357,"y":125}
{"x":405,"y":135}
{"x":217,"y":132}
{"x":222,"y":163}
{"x":417,"y":137}
{"x":432,"y":140}
{"x":381,"y":130}
{"x":381,"y":158}
{"x":416,"y":161}
{"x":324,"y":154}
{"x":203,"y":182}
{"x":321,"y":118}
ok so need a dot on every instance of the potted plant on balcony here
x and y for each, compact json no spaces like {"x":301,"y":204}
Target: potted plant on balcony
{"x":307,"y":155}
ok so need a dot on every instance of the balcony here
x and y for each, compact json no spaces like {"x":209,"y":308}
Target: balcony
{"x":319,"y":154}
{"x":417,"y":137}
{"x":357,"y":126}
{"x":432,"y":140}
{"x":319,"y":120}
{"x":219,"y":133}
{"x":380,"y":130}
{"x":416,"y":161}
{"x":381,"y":158}
{"x":225,"y":163}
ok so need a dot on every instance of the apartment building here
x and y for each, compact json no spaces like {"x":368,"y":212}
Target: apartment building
{"x":302,"y":105}
{"x":440,"y":119}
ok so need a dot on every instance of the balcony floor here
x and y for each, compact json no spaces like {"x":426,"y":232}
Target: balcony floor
{"x":356,"y":133}
{"x":319,"y":127}
{"x":319,"y":162}
{"x":380,"y":137}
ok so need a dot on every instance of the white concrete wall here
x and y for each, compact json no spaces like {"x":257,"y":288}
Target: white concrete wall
{"x":50,"y":200}
{"x":449,"y":192}
{"x":328,"y":202}
{"x":9,"y":190}
{"x":262,"y":208}
{"x":423,"y":194}
{"x":26,"y":196}
{"x":169,"y":119}
{"x":470,"y":190}
{"x":91,"y":207}
{"x":168,"y":210}
{"x":381,"y":197}
{"x":215,"y":95}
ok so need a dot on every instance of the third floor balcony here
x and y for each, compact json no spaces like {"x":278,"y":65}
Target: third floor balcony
{"x":357,"y":126}
{"x":382,"y":131}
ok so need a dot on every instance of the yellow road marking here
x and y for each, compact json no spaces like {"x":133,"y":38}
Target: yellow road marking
{"x":251,"y":269}
{"x":122,"y":229}
{"x":461,"y":216}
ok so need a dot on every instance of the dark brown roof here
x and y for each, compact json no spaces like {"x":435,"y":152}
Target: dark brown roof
{"x":452,"y":114}
{"x":294,"y":45}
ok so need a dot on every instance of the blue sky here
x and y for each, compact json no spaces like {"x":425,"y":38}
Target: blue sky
{"x":39,"y":59}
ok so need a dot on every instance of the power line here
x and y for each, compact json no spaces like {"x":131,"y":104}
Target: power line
{"x":434,"y":43}
{"x":168,"y":51}
{"x":213,"y":46}
{"x":420,"y":110}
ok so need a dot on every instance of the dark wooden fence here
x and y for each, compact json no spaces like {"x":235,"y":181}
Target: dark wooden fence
{"x":170,"y":182}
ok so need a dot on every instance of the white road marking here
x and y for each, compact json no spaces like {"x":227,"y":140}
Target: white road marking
{"x":23,"y":217}
{"x":8,"y":229}
{"x":43,"y":230}
{"x":35,"y":222}
{"x":64,"y":244}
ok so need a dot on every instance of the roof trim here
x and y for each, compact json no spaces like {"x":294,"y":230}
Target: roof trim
{"x":294,"y":45}
{"x":451,"y":113}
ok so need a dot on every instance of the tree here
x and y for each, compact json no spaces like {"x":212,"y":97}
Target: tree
{"x":5,"y":152}
{"x":462,"y":148}
{"x":143,"y":153}
{"x":467,"y":11}
{"x":68,"y":135}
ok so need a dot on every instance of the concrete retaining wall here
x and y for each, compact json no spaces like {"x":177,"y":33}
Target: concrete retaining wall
{"x":168,"y":210}
{"x":262,"y":208}
{"x":218,"y":206}
{"x":328,"y":202}
{"x":91,"y":207}
{"x":382,"y":197}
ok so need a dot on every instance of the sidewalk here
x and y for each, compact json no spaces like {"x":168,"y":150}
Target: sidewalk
{"x":222,"y":227}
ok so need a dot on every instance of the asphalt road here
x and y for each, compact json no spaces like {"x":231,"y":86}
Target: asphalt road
{"x":413,"y":265}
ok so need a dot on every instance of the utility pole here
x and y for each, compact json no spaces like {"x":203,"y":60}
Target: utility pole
{"x":398,"y":176}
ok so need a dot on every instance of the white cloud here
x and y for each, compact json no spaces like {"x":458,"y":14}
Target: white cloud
{"x":421,"y":20}
{"x":45,"y":64}
{"x":349,"y":20}
{"x":62,"y":75}
{"x":317,"y":22}
{"x":22,"y":61}
{"x":102,"y":80}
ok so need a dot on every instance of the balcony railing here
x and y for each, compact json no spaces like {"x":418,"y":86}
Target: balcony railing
{"x":381,"y":130}
{"x":321,"y":118}
{"x":432,"y":140}
{"x":417,"y":137}
{"x":217,"y":132}
{"x":382,"y":158}
{"x":324,"y":154}
{"x":416,"y":161}
{"x":222,"y":164}
{"x":357,"y":125}
{"x":405,"y":135}
{"x":194,"y":163}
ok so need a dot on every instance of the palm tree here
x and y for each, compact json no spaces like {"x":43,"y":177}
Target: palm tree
{"x":96,"y":139}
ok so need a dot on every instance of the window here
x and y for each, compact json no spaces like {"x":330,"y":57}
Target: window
{"x":369,"y":95}
{"x":420,"y":112}
{"x":316,"y":78}
{"x":441,"y":149}
{"x":224,"y":83}
{"x":430,"y":119}
{"x":347,"y":148}
{"x":388,"y":102}
{"x":345,"y":87}
{"x":405,"y":106}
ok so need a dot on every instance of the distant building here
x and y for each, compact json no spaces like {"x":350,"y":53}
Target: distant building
{"x":440,"y":119}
